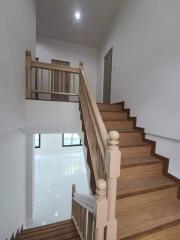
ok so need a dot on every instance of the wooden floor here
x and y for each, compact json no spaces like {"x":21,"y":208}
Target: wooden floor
{"x":147,"y":196}
{"x":58,"y":231}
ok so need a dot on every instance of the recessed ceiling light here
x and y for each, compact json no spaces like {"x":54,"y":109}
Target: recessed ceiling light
{"x":77,"y":15}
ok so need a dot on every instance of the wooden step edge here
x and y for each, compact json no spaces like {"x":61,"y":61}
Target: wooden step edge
{"x":153,"y":230}
{"x":128,"y":131}
{"x":46,"y":231}
{"x":119,"y":120}
{"x":57,"y":224}
{"x":152,"y":189}
{"x":141,"y":164}
{"x":132,"y":146}
{"x":111,"y":104}
{"x":119,"y":103}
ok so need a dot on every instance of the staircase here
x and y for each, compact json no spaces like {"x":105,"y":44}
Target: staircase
{"x":145,"y":205}
{"x":65,"y":230}
{"x":148,"y":205}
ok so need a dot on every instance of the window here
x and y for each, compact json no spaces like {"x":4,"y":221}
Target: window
{"x":37,"y":140}
{"x":71,"y":139}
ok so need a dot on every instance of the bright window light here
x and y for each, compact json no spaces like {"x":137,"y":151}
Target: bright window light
{"x":77,"y":15}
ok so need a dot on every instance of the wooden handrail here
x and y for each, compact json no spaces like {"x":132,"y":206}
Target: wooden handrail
{"x":48,"y":66}
{"x":88,"y":202}
{"x":102,"y":132}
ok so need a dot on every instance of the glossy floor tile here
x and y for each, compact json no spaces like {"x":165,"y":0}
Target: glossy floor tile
{"x":54,"y":176}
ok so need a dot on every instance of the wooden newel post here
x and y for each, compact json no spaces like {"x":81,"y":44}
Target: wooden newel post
{"x":101,"y":210}
{"x":112,"y":168}
{"x":81,"y":65}
{"x":73,"y":189}
{"x":28,"y":75}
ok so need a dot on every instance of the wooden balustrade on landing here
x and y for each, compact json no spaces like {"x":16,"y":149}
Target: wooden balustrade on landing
{"x":48,"y":81}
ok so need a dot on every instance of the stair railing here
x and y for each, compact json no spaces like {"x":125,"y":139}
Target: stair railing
{"x":104,"y":152}
{"x":89,"y":213}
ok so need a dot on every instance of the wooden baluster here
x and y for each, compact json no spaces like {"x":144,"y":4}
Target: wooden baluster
{"x":59,"y":81}
{"x":64,"y":78}
{"x":28,"y":75}
{"x":36,"y":80}
{"x":101,"y":209}
{"x":74,"y":83}
{"x":41,"y":84}
{"x":112,"y":168}
{"x":53,"y":89}
{"x":49,"y":81}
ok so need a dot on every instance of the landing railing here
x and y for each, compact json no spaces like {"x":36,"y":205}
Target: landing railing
{"x":51,"y":81}
{"x":94,"y":216}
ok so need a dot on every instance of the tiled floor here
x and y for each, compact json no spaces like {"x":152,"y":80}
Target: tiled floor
{"x":54,"y":176}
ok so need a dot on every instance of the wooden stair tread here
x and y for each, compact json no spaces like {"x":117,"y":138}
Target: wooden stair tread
{"x":142,"y":184}
{"x":169,"y":233}
{"x":130,"y":162}
{"x":49,"y":232}
{"x":142,"y":213}
{"x":59,"y":231}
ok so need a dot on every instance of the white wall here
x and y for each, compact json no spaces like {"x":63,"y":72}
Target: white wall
{"x":146,"y":67}
{"x":18,"y":33}
{"x":48,"y":49}
{"x":51,"y":117}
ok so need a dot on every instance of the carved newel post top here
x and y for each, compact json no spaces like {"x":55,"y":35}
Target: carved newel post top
{"x":101,"y":189}
{"x":113,"y":141}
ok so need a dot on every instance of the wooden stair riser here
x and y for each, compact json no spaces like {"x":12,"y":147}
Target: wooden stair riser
{"x":135,"y":151}
{"x":130,"y":137}
{"x":140,"y":171}
{"x":114,"y":116}
{"x":53,"y":226}
{"x":119,"y":125}
{"x":109,"y":108}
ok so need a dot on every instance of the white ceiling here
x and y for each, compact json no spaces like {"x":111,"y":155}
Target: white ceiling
{"x":55,"y":19}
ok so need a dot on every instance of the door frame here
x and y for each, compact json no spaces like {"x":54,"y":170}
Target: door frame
{"x":109,"y":51}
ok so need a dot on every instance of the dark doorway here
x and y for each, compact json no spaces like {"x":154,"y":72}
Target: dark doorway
{"x":107,"y":76}
{"x":61,"y":82}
